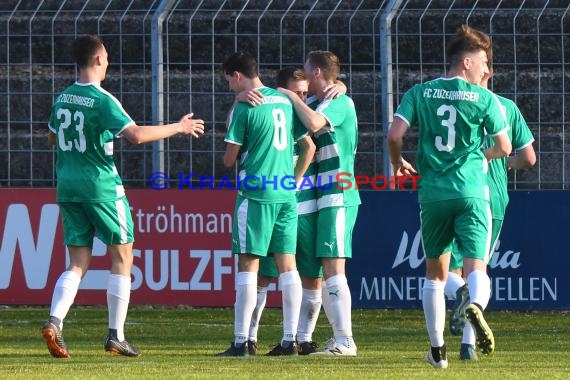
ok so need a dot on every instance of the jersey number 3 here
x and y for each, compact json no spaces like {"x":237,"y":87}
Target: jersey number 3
{"x":64,"y":116}
{"x":449,"y":123}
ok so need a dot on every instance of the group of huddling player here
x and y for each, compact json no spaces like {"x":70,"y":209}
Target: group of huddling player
{"x":305,"y":129}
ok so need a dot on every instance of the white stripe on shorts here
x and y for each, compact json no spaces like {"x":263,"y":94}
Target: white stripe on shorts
{"x":122,"y":216}
{"x":242,"y":225}
{"x":340,"y":227}
{"x":489,"y":233}
{"x":493,"y":245}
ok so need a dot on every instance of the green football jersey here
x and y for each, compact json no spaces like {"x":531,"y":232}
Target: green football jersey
{"x":452,"y":116}
{"x":520,"y":136}
{"x":266,"y":134}
{"x":85,"y":119}
{"x":336,"y":149}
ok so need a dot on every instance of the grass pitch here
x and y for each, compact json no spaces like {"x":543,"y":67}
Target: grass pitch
{"x":180,"y":343}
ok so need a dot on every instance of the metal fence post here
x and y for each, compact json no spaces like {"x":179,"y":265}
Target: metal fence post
{"x":158,"y":80}
{"x":387,"y":86}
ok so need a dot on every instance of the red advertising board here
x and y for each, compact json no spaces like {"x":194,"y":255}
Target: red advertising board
{"x":182,"y":249}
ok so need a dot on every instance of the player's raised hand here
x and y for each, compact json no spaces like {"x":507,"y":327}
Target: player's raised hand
{"x":285,"y":91}
{"x":252,"y":97}
{"x":333,"y":91}
{"x":191,"y":126}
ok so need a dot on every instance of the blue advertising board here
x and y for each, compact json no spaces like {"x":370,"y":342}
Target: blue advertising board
{"x":529,"y":269}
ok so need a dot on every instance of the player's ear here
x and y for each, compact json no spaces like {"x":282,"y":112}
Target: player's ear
{"x":467,"y":62}
{"x":317,"y":72}
{"x":97,"y":60}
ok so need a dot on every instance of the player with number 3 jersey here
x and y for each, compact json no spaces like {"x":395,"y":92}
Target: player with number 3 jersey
{"x":452,"y":115}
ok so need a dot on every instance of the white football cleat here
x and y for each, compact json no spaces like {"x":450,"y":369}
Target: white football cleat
{"x":440,"y":364}
{"x":337,"y":349}
{"x":329,"y":343}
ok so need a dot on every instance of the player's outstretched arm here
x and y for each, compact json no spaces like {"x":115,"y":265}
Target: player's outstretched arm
{"x":148,"y":133}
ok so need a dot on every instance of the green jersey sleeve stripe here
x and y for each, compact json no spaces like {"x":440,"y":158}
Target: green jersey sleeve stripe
{"x":302,"y":136}
{"x":232,"y":142}
{"x":118,"y":134}
{"x":51,"y":128}
{"x":403,"y":119}
{"x":525,"y":145}
{"x":504,"y":130}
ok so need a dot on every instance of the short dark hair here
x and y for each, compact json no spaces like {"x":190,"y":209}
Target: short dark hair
{"x":468,"y":40}
{"x":326,"y":61}
{"x":242,"y":62}
{"x":289,"y":73}
{"x":85,"y":47}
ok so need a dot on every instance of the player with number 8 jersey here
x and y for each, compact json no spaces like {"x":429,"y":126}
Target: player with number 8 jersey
{"x":266,"y":168}
{"x":265,"y":216}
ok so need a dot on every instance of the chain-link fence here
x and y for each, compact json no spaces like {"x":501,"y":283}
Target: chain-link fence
{"x":531,"y":42}
{"x":531,"y":64}
{"x":36,"y":64}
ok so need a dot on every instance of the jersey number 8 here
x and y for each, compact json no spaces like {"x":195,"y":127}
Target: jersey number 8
{"x":280,"y":132}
